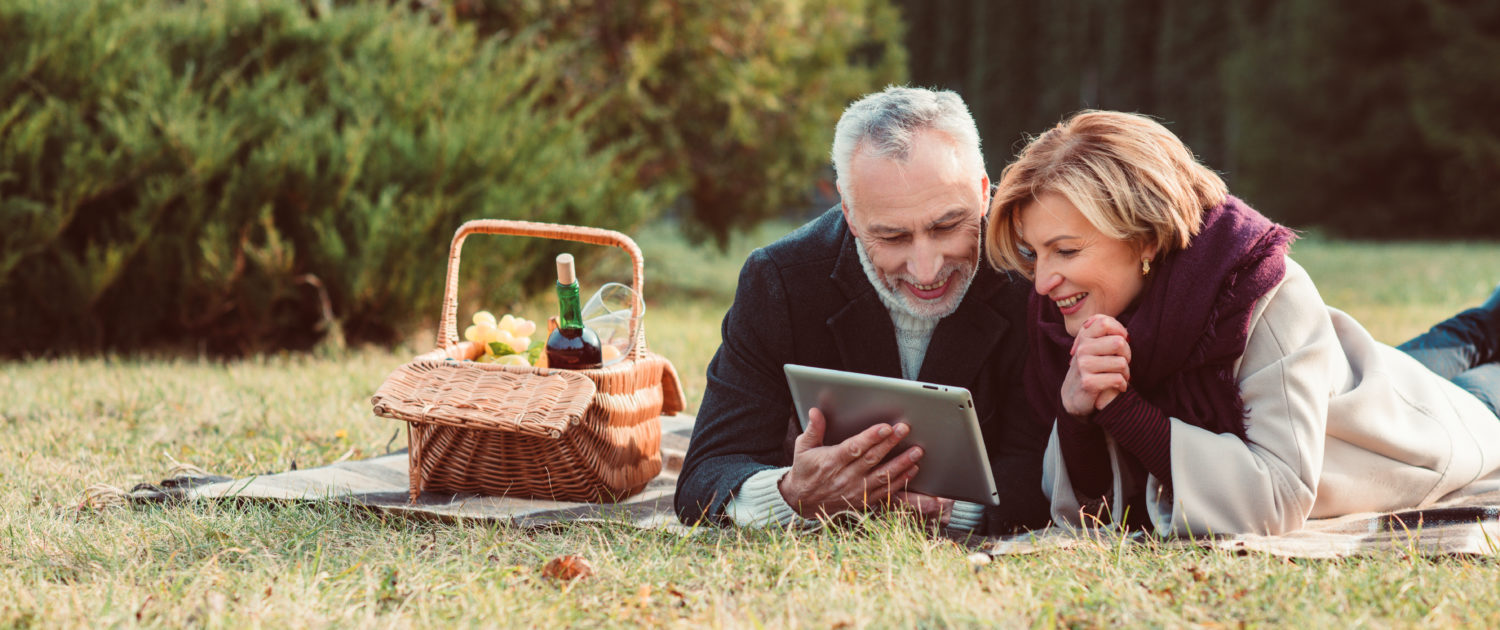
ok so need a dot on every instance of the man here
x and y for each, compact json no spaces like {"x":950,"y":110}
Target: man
{"x":891,"y":284}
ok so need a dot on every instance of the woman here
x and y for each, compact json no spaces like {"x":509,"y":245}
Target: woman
{"x":1198,"y":381}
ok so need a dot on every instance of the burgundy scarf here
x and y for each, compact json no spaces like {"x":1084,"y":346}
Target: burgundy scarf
{"x":1187,"y":328}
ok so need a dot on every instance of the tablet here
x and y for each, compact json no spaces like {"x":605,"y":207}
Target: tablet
{"x":941,"y":417}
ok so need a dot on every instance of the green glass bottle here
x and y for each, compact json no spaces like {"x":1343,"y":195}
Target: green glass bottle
{"x":571,"y":346}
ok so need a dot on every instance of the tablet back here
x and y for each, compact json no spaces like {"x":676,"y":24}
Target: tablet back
{"x":941,"y":418}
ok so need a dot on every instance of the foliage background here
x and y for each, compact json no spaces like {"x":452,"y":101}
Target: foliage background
{"x":244,"y":176}
{"x":734,"y":102}
{"x":236,"y":177}
{"x":1372,"y":119}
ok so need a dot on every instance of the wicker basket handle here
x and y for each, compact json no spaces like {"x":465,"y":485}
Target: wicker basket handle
{"x":448,"y":326}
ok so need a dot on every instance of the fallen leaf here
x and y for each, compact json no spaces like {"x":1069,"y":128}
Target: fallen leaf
{"x":1166,"y":592}
{"x":643,"y":595}
{"x":568,"y":568}
{"x":140,"y":611}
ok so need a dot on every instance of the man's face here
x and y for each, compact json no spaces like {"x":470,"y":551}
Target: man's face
{"x":920,"y":222}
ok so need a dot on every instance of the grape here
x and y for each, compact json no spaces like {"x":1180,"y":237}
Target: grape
{"x":514,"y":332}
{"x":512,"y":359}
{"x":484,"y":334}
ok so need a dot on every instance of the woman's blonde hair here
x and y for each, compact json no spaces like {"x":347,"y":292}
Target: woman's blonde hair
{"x":1130,"y":177}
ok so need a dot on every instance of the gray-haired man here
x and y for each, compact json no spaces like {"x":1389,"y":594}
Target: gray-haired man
{"x":890,"y":283}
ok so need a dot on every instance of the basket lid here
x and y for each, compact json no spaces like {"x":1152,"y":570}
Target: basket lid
{"x":484,"y":396}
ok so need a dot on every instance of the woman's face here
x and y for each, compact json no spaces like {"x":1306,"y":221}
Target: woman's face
{"x":1080,"y":269}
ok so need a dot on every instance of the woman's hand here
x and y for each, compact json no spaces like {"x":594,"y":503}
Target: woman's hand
{"x":1100,"y":368}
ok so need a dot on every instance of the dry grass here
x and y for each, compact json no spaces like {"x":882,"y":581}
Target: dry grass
{"x":69,"y":424}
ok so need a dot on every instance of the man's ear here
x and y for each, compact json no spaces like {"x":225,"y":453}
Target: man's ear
{"x":984,"y":191}
{"x":844,"y":207}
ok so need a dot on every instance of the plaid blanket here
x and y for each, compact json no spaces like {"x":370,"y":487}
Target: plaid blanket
{"x":1468,"y":526}
{"x":1471,"y":526}
{"x":381,"y":483}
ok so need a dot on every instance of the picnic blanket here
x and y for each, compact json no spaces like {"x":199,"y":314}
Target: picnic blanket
{"x":1470,"y":526}
{"x":382,"y":482}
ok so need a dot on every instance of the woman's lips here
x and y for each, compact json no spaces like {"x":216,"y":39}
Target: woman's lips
{"x":1071,"y":304}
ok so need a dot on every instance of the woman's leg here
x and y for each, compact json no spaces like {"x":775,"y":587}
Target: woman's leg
{"x":1460,"y":343}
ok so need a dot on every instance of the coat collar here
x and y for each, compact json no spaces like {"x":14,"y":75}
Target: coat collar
{"x":862,"y":330}
{"x":960,"y":345}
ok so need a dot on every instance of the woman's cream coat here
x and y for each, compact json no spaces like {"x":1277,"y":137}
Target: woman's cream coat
{"x":1338,"y":423}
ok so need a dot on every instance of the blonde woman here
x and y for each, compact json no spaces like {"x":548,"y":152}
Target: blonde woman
{"x":1199,"y":383}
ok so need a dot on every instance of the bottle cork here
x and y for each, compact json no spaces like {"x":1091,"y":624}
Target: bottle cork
{"x":565,"y":273}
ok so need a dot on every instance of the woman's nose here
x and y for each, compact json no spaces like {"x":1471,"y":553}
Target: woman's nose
{"x":1046,"y":281}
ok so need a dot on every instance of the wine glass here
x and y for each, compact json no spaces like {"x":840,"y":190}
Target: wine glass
{"x":607,"y":313}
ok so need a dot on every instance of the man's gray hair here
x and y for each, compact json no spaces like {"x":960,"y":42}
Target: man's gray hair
{"x":882,"y":125}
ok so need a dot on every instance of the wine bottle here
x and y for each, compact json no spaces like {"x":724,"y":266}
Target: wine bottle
{"x":571,"y":346}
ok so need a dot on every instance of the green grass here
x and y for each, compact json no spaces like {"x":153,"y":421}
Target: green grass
{"x":1398,"y":290}
{"x":68,"y":424}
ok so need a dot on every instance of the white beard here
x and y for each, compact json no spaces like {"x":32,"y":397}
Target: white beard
{"x":900,"y":304}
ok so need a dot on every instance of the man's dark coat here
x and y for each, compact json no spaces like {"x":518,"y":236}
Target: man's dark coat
{"x":805,"y":299}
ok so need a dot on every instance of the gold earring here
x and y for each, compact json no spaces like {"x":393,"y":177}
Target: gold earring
{"x":1145,"y":266}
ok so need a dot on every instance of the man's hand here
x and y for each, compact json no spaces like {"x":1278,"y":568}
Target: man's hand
{"x":846,"y":476}
{"x":1100,"y":368}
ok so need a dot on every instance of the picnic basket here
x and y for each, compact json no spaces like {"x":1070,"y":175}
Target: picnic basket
{"x":530,"y":432}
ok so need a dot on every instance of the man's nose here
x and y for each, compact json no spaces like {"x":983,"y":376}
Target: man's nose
{"x":925,"y":262}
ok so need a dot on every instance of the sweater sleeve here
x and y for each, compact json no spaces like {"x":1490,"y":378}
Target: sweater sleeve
{"x":966,"y":517}
{"x":1086,"y":454}
{"x":1142,"y":429}
{"x":759,"y":502}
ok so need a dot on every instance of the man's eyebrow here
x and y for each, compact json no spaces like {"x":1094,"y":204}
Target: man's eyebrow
{"x":887,"y":229}
{"x":951,"y":215}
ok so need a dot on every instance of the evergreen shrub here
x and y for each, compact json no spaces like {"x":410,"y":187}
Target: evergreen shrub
{"x":242,"y":176}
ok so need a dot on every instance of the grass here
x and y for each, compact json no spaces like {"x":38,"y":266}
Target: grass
{"x":68,"y":424}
